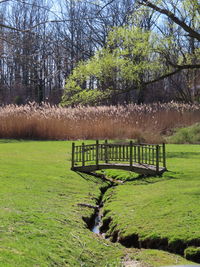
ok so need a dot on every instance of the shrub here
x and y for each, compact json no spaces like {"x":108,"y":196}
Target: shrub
{"x":187,"y":135}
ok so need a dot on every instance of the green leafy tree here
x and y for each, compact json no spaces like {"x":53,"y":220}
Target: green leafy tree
{"x":125,"y":64}
{"x":132,"y":59}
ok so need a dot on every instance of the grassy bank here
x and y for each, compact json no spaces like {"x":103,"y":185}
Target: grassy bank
{"x":41,"y":222}
{"x":160,"y":212}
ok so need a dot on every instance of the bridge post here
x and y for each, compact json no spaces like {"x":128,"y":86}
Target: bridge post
{"x":97,"y":154}
{"x":131,"y":154}
{"x":73,"y":151}
{"x":139,"y":157}
{"x":164,"y":156}
{"x":157,"y":158}
{"x":83,"y":154}
{"x":106,"y":151}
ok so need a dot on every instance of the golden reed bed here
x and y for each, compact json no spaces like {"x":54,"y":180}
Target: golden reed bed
{"x":145,"y":123}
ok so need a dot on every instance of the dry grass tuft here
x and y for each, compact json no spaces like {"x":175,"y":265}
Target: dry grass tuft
{"x":145,"y":123}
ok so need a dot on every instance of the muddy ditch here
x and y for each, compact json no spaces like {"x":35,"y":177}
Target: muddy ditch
{"x":99,"y":224}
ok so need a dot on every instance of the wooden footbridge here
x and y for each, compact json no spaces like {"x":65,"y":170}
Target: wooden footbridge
{"x":140,"y":158}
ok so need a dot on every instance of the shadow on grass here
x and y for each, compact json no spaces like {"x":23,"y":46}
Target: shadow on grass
{"x":146,"y":180}
{"x":8,"y":141}
{"x":139,"y":180}
{"x":186,"y":155}
{"x":90,"y":177}
{"x":12,"y":141}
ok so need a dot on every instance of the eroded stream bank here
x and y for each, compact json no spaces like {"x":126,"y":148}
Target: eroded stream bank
{"x":100,"y":225}
{"x":95,"y":222}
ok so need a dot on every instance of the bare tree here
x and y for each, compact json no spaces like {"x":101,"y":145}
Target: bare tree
{"x":40,"y":43}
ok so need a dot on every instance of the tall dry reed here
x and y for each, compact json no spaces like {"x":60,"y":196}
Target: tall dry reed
{"x":146,"y":123}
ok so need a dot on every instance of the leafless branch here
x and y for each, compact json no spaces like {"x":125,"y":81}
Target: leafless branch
{"x":173,"y":17}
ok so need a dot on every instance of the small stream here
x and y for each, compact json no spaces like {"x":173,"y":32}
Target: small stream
{"x":97,"y":222}
{"x":97,"y":218}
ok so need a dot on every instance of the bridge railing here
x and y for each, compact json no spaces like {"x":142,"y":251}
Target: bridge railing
{"x":130,"y":153}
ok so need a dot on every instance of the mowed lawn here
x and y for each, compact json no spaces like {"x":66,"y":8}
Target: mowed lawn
{"x":40,"y":220}
{"x":165,"y":210}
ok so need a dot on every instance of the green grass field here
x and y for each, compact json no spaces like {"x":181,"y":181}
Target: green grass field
{"x":41,"y":223}
{"x":160,"y":211}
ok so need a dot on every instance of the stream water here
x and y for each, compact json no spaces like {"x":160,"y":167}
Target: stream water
{"x":97,"y":220}
{"x":97,"y":224}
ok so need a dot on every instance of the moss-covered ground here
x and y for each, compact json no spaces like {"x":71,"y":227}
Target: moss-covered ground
{"x":41,"y":222}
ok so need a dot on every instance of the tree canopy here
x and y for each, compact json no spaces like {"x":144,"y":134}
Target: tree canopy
{"x":131,"y":59}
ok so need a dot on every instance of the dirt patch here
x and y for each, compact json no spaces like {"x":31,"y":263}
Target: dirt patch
{"x":127,"y":262}
{"x":130,"y":263}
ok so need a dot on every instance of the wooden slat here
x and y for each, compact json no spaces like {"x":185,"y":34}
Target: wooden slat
{"x":106,"y":151}
{"x":83,"y":154}
{"x":157,"y":159}
{"x":139,"y":156}
{"x":73,"y":155}
{"x":131,"y":153}
{"x":97,"y":153}
{"x":164,"y":156}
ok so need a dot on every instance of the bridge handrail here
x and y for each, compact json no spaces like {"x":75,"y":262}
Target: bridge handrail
{"x":131,"y":153}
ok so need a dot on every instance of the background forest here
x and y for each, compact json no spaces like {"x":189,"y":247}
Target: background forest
{"x":97,"y":52}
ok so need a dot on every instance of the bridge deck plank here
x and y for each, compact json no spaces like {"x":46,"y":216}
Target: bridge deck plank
{"x":138,"y":168}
